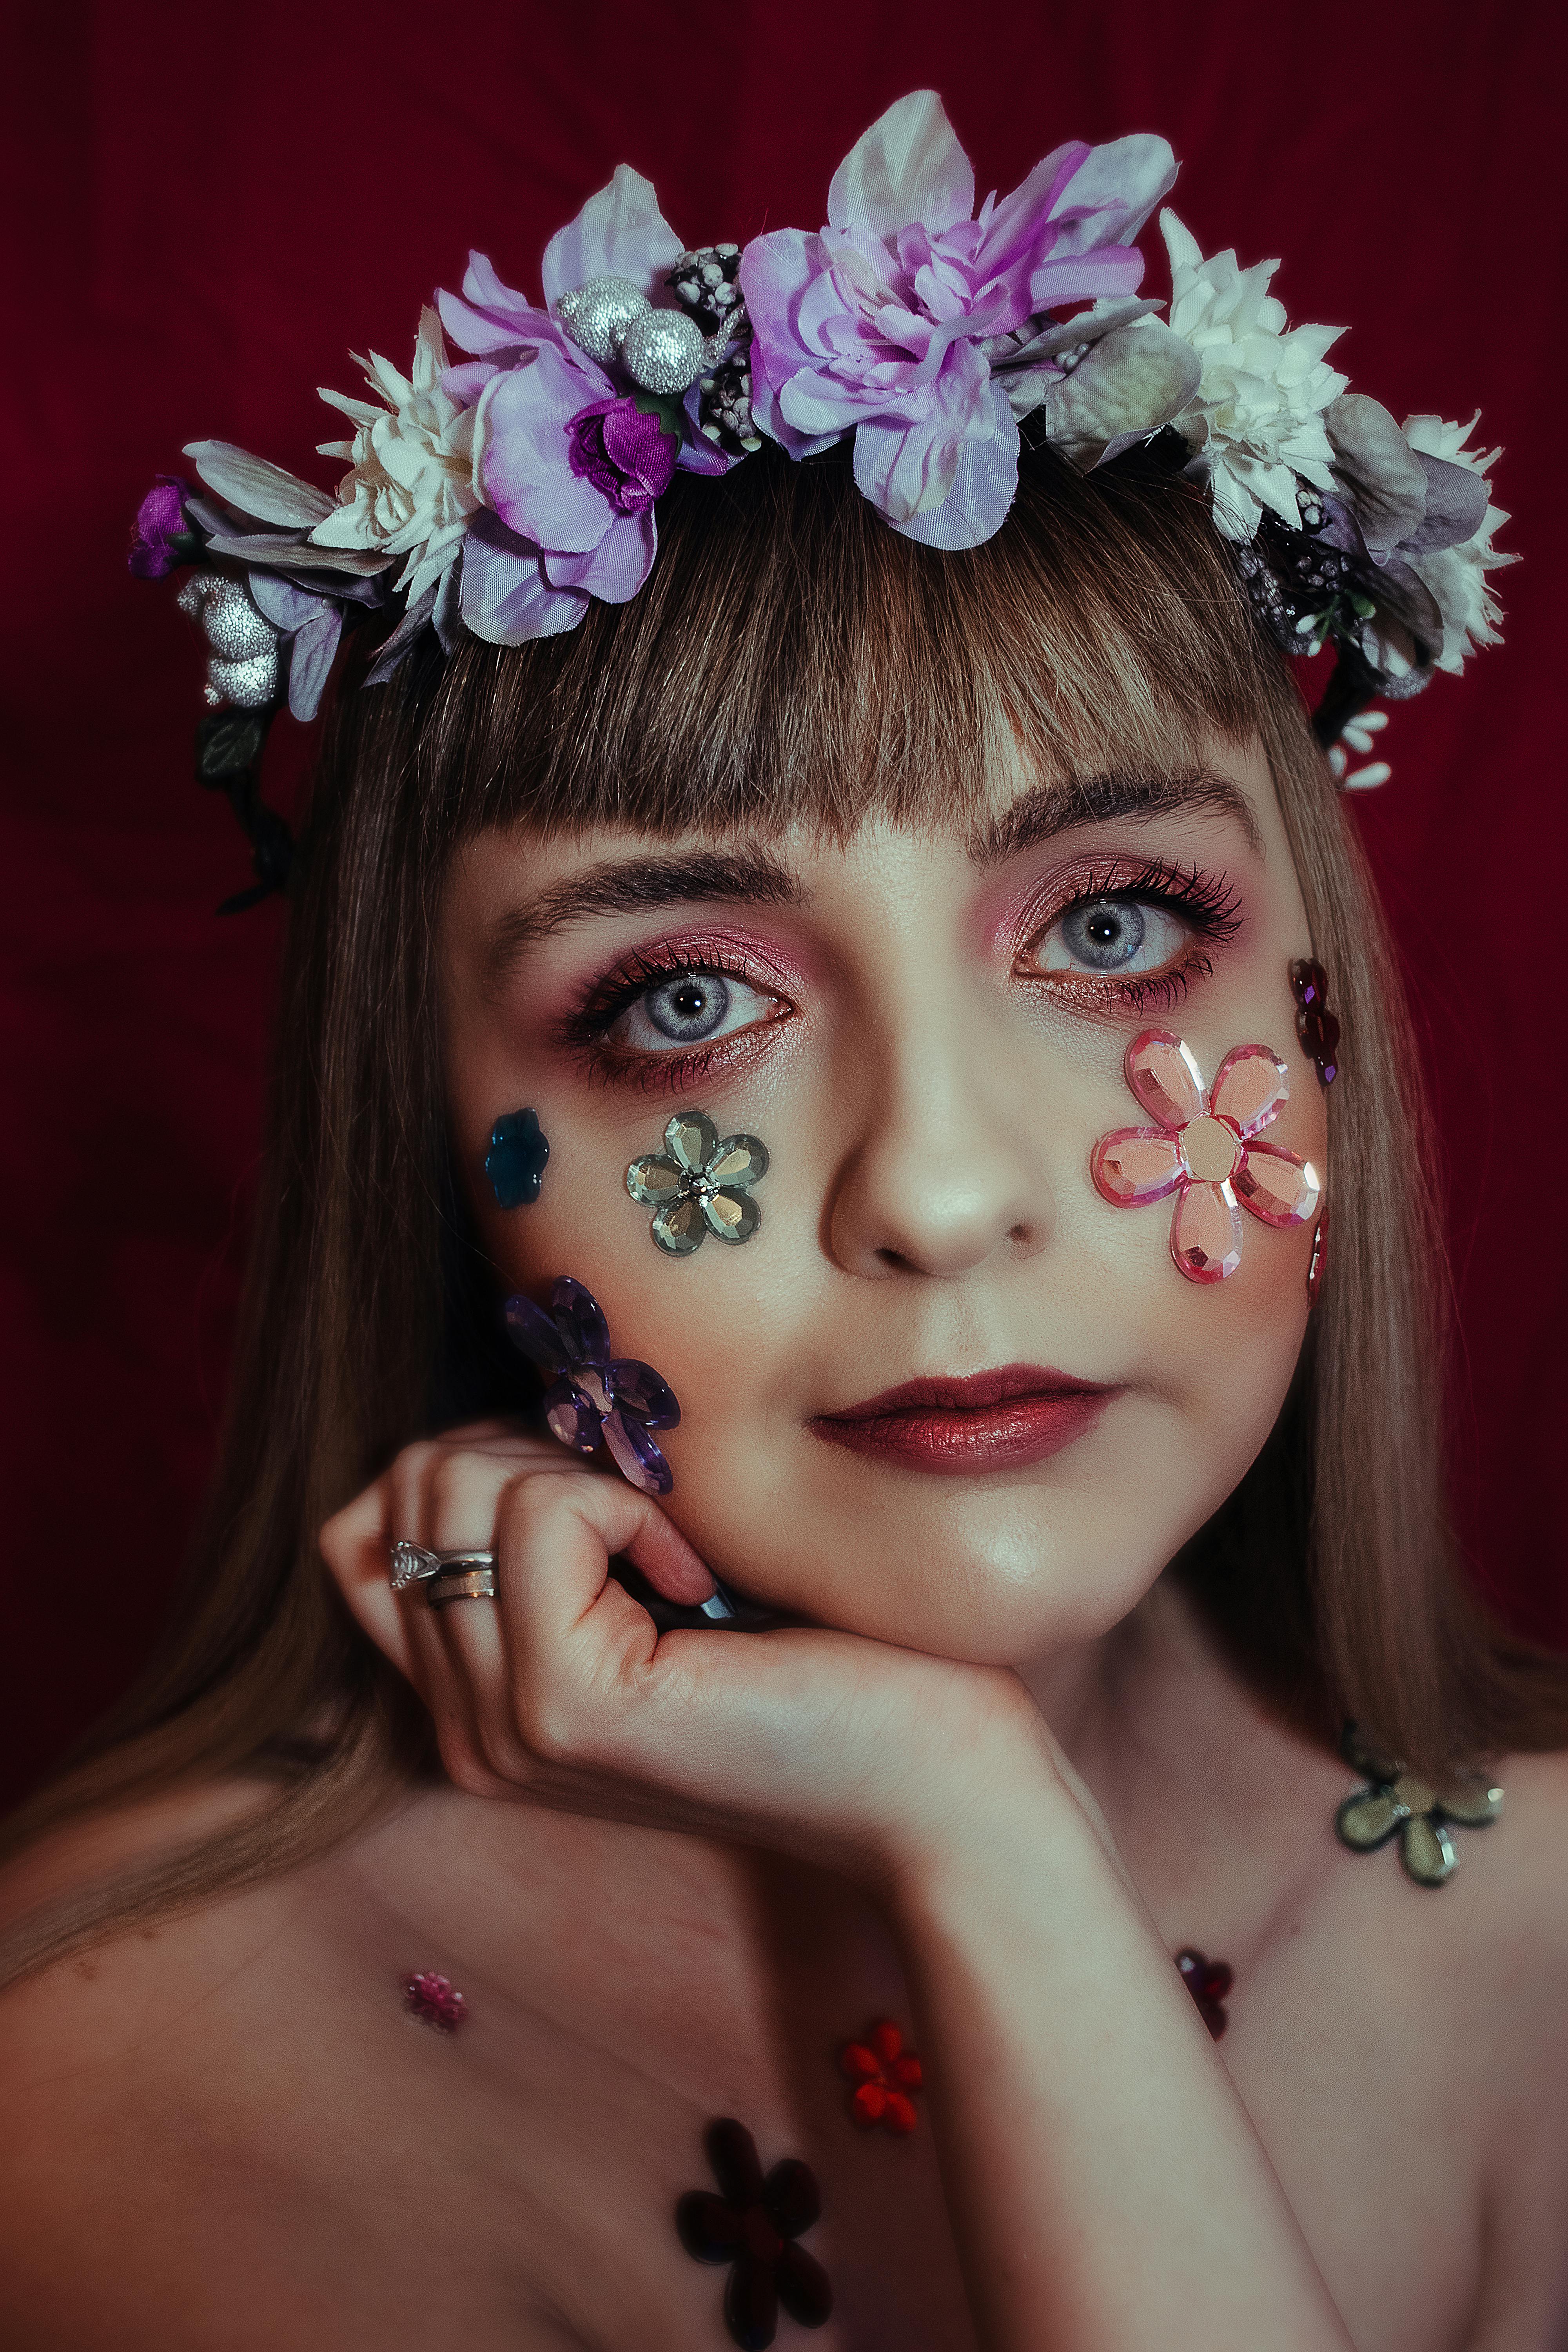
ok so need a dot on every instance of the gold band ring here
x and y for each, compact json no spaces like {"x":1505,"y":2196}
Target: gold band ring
{"x":471,"y":1584}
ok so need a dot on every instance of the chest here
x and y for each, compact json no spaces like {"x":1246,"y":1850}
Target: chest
{"x":543,"y":2151}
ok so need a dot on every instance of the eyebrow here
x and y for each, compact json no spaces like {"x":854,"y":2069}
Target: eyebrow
{"x":1050,"y":808}
{"x":752,"y":878}
{"x":627,"y":885}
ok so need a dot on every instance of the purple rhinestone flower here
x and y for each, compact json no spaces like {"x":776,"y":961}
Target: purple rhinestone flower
{"x":592,"y":1397}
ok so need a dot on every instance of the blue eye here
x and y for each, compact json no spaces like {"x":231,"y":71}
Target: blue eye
{"x":1104,"y":934}
{"x":1111,"y":935}
{"x":689,"y":1008}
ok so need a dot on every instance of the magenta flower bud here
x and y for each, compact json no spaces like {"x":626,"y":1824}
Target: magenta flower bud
{"x":627,"y":454}
{"x":159,"y":526}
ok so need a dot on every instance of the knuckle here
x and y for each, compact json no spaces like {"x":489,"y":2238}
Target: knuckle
{"x":332,"y":1540}
{"x":534,"y":1496}
{"x":416,"y":1459}
{"x":450,"y":1479}
{"x":342,"y":1539}
{"x":484,"y":1432}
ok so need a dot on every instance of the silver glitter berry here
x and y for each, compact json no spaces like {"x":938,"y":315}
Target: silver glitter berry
{"x":246,"y":684}
{"x":242,"y":667}
{"x":231,"y":624}
{"x":597,"y":315}
{"x":663,"y":351}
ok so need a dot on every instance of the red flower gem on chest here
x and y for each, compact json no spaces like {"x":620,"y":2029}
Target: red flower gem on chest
{"x":884,"y":2073}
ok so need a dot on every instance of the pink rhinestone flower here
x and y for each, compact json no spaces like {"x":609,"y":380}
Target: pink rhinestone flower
{"x":1204,"y":1150}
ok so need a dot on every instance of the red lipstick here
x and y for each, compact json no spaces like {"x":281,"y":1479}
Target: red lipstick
{"x":1000,"y":1420}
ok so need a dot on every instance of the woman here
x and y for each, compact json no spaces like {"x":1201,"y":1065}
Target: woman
{"x":860,"y":975}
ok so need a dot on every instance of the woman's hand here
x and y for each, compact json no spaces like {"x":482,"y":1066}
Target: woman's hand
{"x":846,"y":1751}
{"x":938,"y":1787}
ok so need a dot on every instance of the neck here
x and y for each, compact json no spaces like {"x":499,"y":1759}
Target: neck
{"x":1155,"y":1703}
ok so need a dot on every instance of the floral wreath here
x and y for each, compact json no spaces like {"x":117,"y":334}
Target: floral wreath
{"x":495,"y":493}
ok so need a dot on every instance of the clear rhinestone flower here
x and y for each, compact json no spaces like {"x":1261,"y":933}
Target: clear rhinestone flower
{"x":699,"y":1184}
{"x":1419,"y":1814}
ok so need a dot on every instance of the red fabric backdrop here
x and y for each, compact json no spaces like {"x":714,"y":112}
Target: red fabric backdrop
{"x":210,"y":207}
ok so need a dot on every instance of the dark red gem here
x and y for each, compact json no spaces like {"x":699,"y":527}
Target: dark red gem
{"x":1208,"y":1981}
{"x":709,"y":2227}
{"x":751,"y":2304}
{"x":751,"y":2226}
{"x":804,"y":2289}
{"x":762,"y":2239}
{"x":1316,"y":1027}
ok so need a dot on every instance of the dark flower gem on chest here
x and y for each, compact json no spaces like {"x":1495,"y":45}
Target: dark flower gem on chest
{"x":1208,"y":1981}
{"x":752,"y":2224}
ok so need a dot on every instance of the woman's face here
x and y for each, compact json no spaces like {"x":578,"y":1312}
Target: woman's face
{"x":926,"y":1030}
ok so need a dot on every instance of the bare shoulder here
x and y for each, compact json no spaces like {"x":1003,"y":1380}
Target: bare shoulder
{"x":1515,"y":1951}
{"x":1517,"y":1915}
{"x":1495,"y":1938}
{"x":88,"y":2001}
{"x":211,"y":2131}
{"x":102,"y":2134}
{"x":97,"y":1845}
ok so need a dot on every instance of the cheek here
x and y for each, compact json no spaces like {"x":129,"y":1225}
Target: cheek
{"x":1221,"y":1352}
{"x":715,"y":1324}
{"x":739,"y":1332}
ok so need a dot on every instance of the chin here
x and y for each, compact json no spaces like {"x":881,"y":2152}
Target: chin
{"x":986,"y":1572}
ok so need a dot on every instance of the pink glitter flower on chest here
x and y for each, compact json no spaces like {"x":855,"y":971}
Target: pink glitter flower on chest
{"x":1204,"y":1150}
{"x":434,"y":2000}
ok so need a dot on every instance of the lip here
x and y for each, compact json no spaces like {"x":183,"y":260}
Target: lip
{"x":1000,"y":1419}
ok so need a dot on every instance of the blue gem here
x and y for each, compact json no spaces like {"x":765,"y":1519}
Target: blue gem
{"x":515,"y":1160}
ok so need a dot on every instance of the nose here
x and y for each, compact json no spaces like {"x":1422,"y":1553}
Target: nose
{"x":937,"y":1174}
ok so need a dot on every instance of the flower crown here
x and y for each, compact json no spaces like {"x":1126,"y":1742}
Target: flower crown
{"x":494,"y":494}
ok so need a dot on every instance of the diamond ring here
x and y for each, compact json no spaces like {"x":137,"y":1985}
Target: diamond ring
{"x":412,"y":1564}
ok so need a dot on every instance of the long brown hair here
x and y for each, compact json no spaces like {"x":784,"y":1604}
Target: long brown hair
{"x":789,"y":657}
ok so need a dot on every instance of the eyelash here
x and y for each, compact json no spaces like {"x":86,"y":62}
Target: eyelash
{"x":1209,"y":902}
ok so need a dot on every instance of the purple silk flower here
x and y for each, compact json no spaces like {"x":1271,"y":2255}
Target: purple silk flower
{"x":592,"y":1397}
{"x":568,"y":464}
{"x":879,"y":324}
{"x":260,"y":517}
